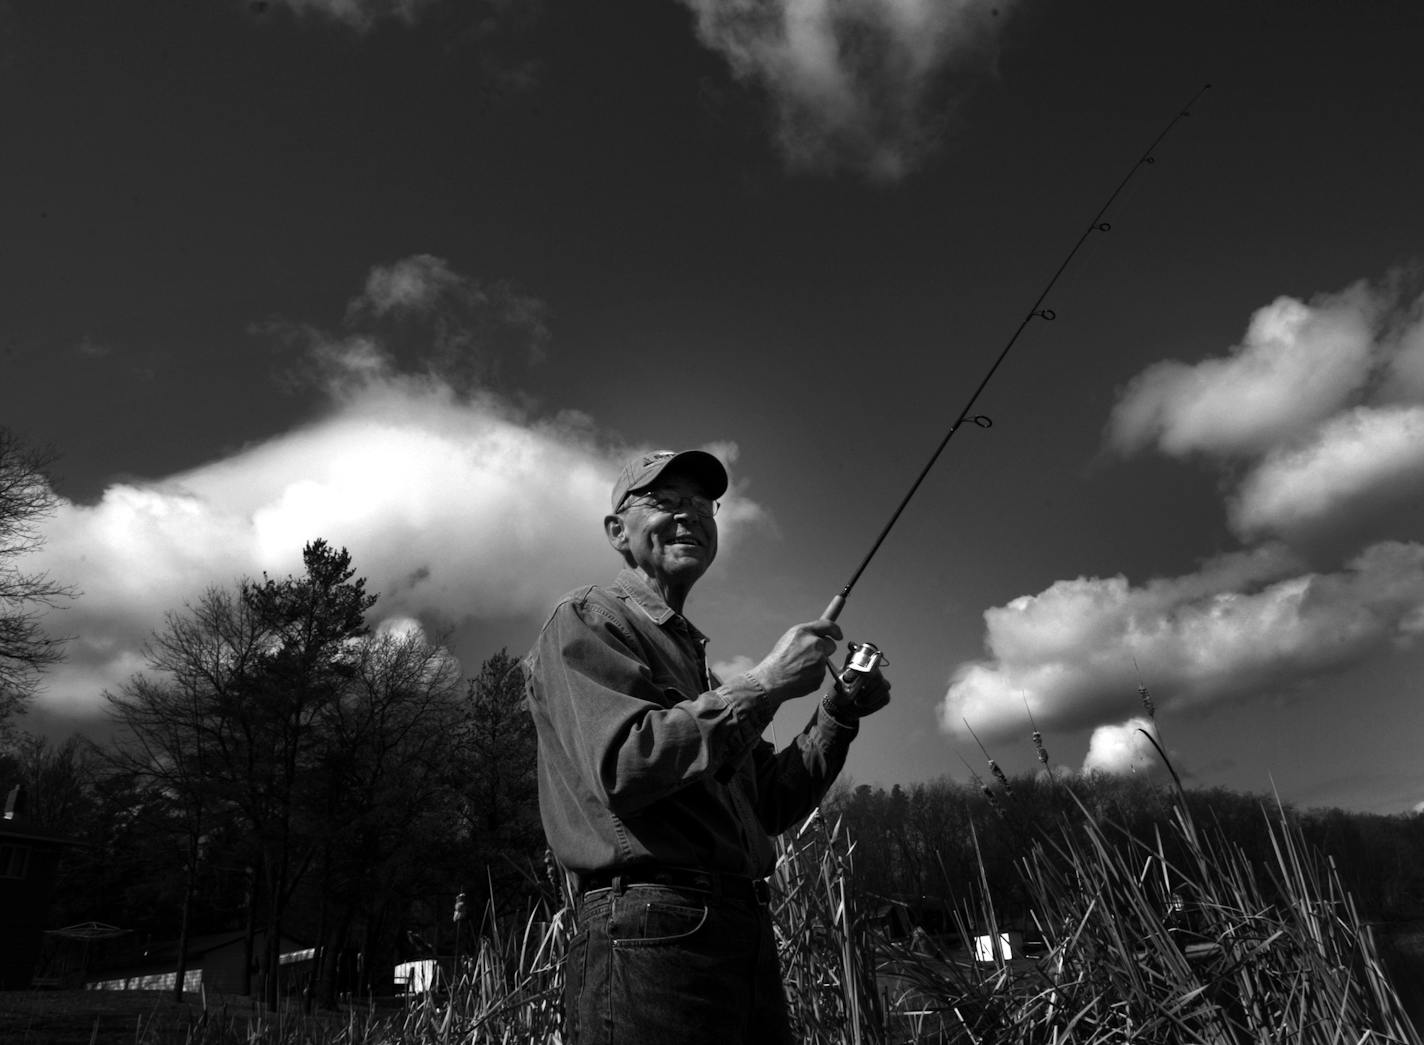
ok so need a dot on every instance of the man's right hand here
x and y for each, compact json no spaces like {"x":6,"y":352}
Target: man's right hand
{"x":797,"y":663}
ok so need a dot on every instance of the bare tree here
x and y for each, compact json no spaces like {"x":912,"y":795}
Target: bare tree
{"x":234,"y":721}
{"x":25,"y":501}
{"x":173,"y":732}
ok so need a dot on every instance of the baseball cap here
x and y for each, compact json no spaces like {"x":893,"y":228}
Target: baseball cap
{"x":644,"y":470}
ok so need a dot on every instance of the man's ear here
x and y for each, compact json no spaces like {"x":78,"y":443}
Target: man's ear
{"x":616,"y":533}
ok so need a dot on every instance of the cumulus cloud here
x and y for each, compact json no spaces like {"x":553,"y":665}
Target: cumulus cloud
{"x":1297,"y":364}
{"x":1243,"y":626}
{"x":1317,"y":421}
{"x":1404,"y":379}
{"x":454,"y":503}
{"x":1123,"y":750}
{"x":414,"y":284}
{"x":1358,"y":463}
{"x":464,"y":330}
{"x":420,"y":318}
{"x":853,"y":83}
{"x":1317,"y":416}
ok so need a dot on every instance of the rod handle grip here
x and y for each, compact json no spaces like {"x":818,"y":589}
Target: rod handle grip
{"x":833,"y":608}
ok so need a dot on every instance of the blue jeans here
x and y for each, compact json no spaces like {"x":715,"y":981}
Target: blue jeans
{"x":657,"y":964}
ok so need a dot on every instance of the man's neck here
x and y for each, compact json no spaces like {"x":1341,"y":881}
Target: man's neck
{"x":674,"y":594}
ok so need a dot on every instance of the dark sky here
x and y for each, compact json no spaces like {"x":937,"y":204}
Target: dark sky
{"x":415,"y":277}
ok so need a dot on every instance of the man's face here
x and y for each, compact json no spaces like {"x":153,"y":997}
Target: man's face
{"x":670,"y":547}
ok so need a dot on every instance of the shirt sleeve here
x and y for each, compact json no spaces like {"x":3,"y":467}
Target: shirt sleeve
{"x":790,"y":782}
{"x":630,"y":740}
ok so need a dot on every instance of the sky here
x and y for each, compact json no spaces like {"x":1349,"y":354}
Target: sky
{"x":415,"y":276}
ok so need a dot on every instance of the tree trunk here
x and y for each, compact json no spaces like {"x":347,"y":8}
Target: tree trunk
{"x":184,"y":918}
{"x":249,"y":937}
{"x":333,"y":950}
{"x":316,"y":988}
{"x":272,"y":959}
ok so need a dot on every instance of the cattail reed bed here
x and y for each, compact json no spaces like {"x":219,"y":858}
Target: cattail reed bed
{"x":1168,"y":934}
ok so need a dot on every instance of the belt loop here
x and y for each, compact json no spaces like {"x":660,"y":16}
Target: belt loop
{"x":619,"y":885}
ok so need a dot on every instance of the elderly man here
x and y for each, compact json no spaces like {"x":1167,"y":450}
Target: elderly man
{"x":656,"y":790}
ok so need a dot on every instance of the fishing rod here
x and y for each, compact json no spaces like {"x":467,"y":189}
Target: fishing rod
{"x":864,"y":658}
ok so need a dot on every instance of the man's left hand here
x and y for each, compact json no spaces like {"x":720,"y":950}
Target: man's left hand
{"x":873,"y":694}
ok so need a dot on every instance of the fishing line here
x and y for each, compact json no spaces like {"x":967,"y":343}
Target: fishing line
{"x":1036,"y":311}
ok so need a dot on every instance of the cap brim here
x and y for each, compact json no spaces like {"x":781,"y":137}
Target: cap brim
{"x":697,"y":465}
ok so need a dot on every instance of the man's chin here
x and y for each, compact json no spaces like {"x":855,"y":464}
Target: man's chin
{"x":689,"y":567}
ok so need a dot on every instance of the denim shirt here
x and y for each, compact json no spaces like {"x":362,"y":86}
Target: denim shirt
{"x":634,"y":732}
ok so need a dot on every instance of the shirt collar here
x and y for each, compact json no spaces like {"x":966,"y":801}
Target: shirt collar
{"x":645,"y":597}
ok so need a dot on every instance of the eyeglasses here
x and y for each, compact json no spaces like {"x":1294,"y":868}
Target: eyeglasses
{"x":674,"y":504}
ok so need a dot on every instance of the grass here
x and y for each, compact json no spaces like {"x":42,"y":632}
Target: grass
{"x":119,"y":1018}
{"x":1173,"y":938}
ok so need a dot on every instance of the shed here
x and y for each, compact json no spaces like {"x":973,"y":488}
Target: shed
{"x":214,"y":962}
{"x":29,"y":864}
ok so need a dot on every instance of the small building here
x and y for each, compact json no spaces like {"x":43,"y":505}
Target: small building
{"x":66,"y":954}
{"x":214,"y":963}
{"x":1005,"y":947}
{"x":29,"y":865}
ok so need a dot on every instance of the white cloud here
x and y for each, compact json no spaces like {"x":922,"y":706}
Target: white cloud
{"x":453,"y":505}
{"x":1123,"y":750}
{"x":854,"y":83}
{"x":1353,"y":465}
{"x":413,"y":283}
{"x":1404,"y":379}
{"x":423,"y":316}
{"x":1231,"y":631}
{"x":400,"y":628}
{"x":1318,"y":416}
{"x":1296,"y":366}
{"x":1324,"y":404}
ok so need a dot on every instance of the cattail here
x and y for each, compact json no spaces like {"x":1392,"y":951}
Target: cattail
{"x":1001,"y":778}
{"x":985,"y":789}
{"x":993,"y":766}
{"x":1038,"y":746}
{"x":993,"y":801}
{"x":1142,"y":693}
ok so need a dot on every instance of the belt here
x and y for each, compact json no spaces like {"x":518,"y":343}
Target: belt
{"x":728,"y":886}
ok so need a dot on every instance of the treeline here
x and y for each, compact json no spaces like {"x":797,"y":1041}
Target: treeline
{"x":280,"y":768}
{"x":923,"y":846}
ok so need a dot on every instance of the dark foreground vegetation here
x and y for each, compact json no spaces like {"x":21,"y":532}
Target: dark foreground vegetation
{"x":1175,"y":937}
{"x":283,"y":772}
